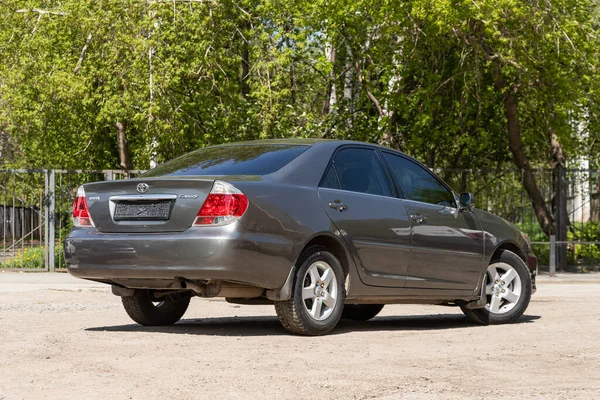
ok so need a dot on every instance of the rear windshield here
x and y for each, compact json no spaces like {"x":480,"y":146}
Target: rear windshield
{"x":231,"y":160}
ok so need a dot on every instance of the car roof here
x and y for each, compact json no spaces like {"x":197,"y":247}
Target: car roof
{"x":289,"y":141}
{"x":307,"y":142}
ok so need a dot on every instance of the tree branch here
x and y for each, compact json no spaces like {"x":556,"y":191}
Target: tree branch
{"x":370,"y":95}
{"x":83,"y":52}
{"x":40,"y":11}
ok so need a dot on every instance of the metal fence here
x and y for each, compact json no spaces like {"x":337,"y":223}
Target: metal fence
{"x":35,"y":214}
{"x":23,"y":216}
{"x":35,"y":210}
{"x":501,"y":192}
{"x":572,"y":196}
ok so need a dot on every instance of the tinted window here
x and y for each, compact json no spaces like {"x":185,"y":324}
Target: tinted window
{"x":231,"y":160}
{"x":330,"y":179}
{"x":359,"y":170}
{"x":418,"y":183}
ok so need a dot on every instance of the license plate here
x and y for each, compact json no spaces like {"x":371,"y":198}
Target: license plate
{"x":132,"y":211}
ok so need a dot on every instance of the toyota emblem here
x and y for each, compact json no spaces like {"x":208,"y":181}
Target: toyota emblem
{"x":142,"y":187}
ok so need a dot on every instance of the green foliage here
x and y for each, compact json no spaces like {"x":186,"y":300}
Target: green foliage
{"x":584,"y":254}
{"x":181,"y":75}
{"x":33,"y":258}
{"x":578,"y":254}
{"x":536,"y":234}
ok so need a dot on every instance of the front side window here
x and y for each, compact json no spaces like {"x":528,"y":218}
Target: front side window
{"x":359,"y":170}
{"x":417,"y":183}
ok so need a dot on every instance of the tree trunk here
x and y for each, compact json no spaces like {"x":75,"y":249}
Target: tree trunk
{"x":349,"y":79}
{"x":388,"y":138}
{"x":515,"y":144}
{"x":245,"y":65}
{"x":8,"y":147}
{"x":330,"y":91}
{"x":430,"y":159}
{"x":511,"y":110}
{"x":3,"y":144}
{"x":124,"y":159}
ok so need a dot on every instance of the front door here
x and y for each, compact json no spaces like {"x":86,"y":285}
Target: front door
{"x":447,"y":243}
{"x":356,"y":194}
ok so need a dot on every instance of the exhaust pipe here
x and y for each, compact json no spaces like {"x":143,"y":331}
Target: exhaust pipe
{"x":194,"y":287}
{"x":204,"y":290}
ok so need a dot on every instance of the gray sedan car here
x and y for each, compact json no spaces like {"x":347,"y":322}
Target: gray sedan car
{"x":321,"y":229}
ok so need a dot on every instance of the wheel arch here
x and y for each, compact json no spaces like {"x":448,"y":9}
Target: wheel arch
{"x":503,"y":246}
{"x":510,"y":246}
{"x":331,"y":243}
{"x":326,"y":239}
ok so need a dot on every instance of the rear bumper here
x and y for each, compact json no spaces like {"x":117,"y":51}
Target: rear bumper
{"x":226,"y":253}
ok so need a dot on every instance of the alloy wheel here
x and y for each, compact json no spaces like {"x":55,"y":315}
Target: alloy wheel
{"x":503,"y":288}
{"x":319,"y":290}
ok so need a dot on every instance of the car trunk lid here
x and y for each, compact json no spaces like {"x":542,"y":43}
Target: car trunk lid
{"x":146,"y":205}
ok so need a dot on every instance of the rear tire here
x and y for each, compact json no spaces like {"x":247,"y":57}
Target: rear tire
{"x":508,"y":291}
{"x":318,"y":295}
{"x":148,"y":310}
{"x":361,"y":312}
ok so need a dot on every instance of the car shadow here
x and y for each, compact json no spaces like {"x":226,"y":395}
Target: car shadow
{"x":270,"y":326}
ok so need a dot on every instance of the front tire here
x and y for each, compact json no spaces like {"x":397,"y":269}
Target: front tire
{"x":148,"y":309}
{"x":508,"y":291}
{"x":318,"y":295}
{"x":361,"y":312}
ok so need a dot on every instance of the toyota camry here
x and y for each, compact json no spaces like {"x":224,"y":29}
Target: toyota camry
{"x":321,"y":229}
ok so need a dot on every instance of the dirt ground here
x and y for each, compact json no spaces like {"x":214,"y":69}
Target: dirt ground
{"x":64,"y":339}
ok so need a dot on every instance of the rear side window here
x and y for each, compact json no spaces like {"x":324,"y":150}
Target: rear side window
{"x":359,"y":170}
{"x":330,"y":179}
{"x":231,"y":160}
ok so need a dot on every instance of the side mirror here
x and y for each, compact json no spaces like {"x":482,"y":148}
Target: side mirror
{"x":466,"y":201}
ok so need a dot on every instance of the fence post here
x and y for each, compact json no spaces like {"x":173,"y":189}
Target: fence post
{"x":561,"y":216}
{"x":46,"y":217}
{"x":552,"y":255}
{"x":51,"y":217}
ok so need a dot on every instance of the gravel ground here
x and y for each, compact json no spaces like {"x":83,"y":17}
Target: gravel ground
{"x":61,"y":338}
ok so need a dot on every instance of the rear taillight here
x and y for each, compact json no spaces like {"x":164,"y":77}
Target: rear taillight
{"x":81,"y":214}
{"x":224,"y":204}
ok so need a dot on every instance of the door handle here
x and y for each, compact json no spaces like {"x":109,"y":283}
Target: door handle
{"x":338,"y":205}
{"x":418,"y":218}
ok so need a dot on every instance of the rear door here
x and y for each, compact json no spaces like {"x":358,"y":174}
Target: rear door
{"x":447,"y":243}
{"x":357,"y":196}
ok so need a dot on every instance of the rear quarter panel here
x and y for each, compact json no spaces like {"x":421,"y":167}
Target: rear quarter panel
{"x":286,"y":206}
{"x":291,"y":215}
